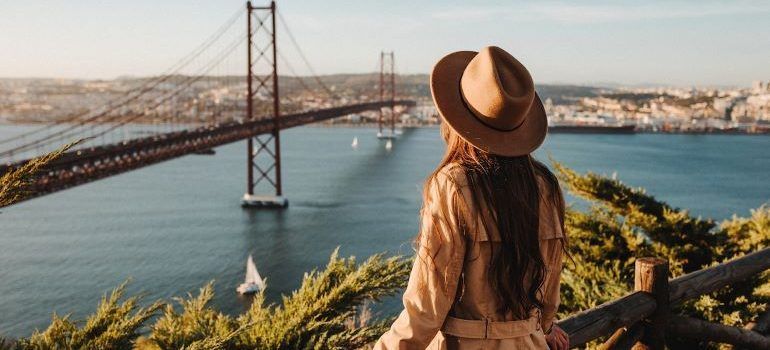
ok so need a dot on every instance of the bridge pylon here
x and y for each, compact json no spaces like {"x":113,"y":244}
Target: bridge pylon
{"x":387,"y":94}
{"x":263,"y":152}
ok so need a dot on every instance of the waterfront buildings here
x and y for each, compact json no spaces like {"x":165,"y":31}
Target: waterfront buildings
{"x":741,"y":109}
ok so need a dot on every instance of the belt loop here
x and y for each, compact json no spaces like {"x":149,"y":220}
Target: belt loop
{"x":486,"y":328}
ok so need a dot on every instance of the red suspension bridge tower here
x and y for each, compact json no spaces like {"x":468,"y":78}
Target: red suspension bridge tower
{"x":387,"y":91}
{"x":263,"y":152}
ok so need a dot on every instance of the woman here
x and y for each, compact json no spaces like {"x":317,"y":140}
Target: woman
{"x":486,"y":274}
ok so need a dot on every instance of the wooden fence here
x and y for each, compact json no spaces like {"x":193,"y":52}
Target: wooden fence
{"x":642,"y":319}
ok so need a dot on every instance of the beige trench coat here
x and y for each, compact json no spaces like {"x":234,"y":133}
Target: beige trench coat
{"x":449,"y":303}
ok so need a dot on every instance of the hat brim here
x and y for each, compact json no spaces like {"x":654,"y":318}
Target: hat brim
{"x":445,"y":88}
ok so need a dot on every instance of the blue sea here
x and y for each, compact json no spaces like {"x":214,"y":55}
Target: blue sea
{"x":175,"y":226}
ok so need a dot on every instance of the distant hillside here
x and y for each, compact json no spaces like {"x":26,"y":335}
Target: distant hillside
{"x":417,"y":85}
{"x":348,"y":85}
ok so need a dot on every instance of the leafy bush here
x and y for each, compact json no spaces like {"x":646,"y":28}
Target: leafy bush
{"x":114,"y":325}
{"x":625,"y":223}
{"x":315,"y":316}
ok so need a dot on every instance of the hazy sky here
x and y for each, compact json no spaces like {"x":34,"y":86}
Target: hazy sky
{"x":631,"y":42}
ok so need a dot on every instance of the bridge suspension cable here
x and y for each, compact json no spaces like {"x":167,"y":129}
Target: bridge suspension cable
{"x":296,"y":45}
{"x":147,"y":86}
{"x":293,"y":72}
{"x":187,"y":83}
{"x":147,"y":97}
{"x":133,"y":95}
{"x":189,"y":80}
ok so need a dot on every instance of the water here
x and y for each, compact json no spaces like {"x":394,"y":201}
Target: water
{"x":174,"y":226}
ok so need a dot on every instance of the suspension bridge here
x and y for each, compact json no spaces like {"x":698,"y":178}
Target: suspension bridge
{"x":199,"y":103}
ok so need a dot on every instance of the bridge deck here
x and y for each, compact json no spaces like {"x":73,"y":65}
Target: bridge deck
{"x":90,"y":164}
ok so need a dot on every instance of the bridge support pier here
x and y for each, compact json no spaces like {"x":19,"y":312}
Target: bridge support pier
{"x":268,"y":202}
{"x":264,"y":155}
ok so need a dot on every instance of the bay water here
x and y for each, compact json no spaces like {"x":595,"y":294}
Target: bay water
{"x":172,"y":227}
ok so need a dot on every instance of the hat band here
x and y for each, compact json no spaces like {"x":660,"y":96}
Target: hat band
{"x":481,"y":117}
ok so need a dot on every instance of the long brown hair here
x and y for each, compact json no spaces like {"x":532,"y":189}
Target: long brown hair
{"x":508,"y":187}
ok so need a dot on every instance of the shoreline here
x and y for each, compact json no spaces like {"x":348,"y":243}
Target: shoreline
{"x":732,"y":132}
{"x":587,"y":132}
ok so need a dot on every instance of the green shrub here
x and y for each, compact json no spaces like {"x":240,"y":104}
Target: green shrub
{"x":624,"y":223}
{"x":316,"y":316}
{"x":115,"y":325}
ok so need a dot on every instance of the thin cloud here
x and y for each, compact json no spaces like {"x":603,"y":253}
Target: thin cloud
{"x":592,"y":13}
{"x":473,"y":14}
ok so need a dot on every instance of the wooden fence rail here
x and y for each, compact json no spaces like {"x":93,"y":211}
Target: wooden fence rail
{"x":642,"y":318}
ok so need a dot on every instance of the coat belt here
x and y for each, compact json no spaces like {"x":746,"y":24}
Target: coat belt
{"x":486,"y":329}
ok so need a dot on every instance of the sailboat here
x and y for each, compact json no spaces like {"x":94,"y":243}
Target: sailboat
{"x":355,"y":142}
{"x":254,"y":282}
{"x":388,"y":145}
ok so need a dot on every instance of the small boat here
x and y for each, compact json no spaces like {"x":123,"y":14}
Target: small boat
{"x":389,"y":145}
{"x":254,"y":282}
{"x":355,"y":143}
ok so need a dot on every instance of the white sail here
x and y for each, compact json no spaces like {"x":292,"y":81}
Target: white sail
{"x":355,"y":142}
{"x":260,"y":282}
{"x":252,"y":275}
{"x":388,"y":145}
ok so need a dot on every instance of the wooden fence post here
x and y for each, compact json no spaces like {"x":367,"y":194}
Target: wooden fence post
{"x":651,"y":276}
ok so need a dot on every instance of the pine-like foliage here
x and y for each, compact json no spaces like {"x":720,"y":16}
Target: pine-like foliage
{"x":197,"y":326}
{"x":625,"y":223}
{"x":114,"y":326}
{"x":14,"y":183}
{"x":316,"y":316}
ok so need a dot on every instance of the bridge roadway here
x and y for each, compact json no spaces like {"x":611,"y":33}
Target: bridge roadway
{"x":85,"y":165}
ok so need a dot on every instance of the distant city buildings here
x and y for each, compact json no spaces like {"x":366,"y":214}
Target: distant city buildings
{"x":218,"y":99}
{"x":671,"y":109}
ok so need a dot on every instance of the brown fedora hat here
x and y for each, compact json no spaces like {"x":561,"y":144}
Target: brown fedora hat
{"x":489,"y":99}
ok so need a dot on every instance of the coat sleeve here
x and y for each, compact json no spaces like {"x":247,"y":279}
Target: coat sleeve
{"x":436,"y":271}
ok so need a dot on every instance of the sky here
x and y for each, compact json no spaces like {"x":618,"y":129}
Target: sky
{"x":679,"y":43}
